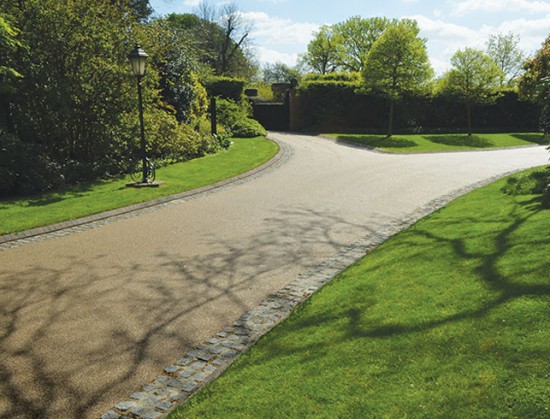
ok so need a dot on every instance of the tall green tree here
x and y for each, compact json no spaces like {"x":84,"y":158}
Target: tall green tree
{"x":358,"y":35}
{"x":325,"y":51}
{"x":279,"y":73}
{"x":226,"y":33}
{"x":175,"y":58}
{"x":473,"y":78}
{"x":397,"y":64}
{"x":220,"y":37}
{"x":534,"y":84}
{"x":505,"y":52}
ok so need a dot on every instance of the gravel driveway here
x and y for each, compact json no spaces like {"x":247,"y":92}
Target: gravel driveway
{"x":88,"y":318}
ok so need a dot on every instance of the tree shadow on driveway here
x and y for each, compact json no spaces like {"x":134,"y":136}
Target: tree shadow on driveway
{"x":74,"y":341}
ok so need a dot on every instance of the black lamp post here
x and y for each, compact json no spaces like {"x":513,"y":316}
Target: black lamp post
{"x":137,"y":58}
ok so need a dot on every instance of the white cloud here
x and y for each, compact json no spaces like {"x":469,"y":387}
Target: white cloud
{"x":445,"y":38}
{"x":271,"y":56}
{"x":192,"y":3}
{"x":462,"y":7}
{"x":277,"y":31}
{"x":532,"y":32}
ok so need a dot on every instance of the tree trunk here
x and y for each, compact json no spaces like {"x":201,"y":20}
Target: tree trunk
{"x":469,"y":115}
{"x":390,"y":122}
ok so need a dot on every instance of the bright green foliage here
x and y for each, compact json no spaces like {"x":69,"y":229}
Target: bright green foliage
{"x":225,"y":87}
{"x":358,"y":35}
{"x":235,"y":116}
{"x":535,"y":82}
{"x":505,"y":52}
{"x":325,"y":52}
{"x":8,"y":44}
{"x":173,"y":56}
{"x":397,"y":63}
{"x":473,"y":79}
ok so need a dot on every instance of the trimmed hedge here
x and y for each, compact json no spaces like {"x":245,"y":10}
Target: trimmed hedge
{"x":337,"y":104}
{"x":225,"y":87}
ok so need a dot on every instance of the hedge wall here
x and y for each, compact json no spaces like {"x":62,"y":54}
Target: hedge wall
{"x":333,"y":105}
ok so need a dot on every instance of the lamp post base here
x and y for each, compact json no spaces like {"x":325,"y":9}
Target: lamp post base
{"x":155,"y":184}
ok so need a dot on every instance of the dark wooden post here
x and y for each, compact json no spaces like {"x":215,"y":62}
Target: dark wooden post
{"x":213,"y":116}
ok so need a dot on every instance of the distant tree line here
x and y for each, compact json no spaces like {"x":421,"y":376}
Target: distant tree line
{"x":391,"y":60}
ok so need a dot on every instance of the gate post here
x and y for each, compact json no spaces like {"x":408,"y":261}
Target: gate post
{"x":213,"y":116}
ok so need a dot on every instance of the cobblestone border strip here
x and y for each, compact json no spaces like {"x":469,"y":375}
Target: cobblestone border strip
{"x":9,"y":241}
{"x":207,"y":361}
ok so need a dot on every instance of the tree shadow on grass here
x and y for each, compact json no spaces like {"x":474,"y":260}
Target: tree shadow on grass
{"x":539,"y":139}
{"x":459,"y":140}
{"x":377,"y":141}
{"x":54,"y":196}
{"x":503,"y":289}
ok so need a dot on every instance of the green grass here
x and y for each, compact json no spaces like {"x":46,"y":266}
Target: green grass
{"x":449,"y":318}
{"x":87,"y":199}
{"x":422,"y":143}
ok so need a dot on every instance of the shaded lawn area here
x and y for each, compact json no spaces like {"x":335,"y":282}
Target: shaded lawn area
{"x":87,"y":199}
{"x":441,"y":142}
{"x":449,"y":318}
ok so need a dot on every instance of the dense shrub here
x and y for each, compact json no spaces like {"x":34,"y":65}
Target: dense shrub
{"x":236,"y":117}
{"x":25,"y":168}
{"x":530,"y":183}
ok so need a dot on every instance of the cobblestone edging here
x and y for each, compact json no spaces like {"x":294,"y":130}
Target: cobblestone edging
{"x":86,"y":223}
{"x":204,"y":363}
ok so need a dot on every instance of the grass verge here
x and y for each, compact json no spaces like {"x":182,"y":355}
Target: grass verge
{"x":446,"y":319}
{"x":87,"y":199}
{"x":422,"y":143}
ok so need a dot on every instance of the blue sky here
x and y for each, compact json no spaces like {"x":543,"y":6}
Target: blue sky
{"x":283,"y":28}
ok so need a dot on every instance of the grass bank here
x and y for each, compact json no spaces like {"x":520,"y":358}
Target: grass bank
{"x":449,"y":318}
{"x":87,"y":199}
{"x":423,"y":143}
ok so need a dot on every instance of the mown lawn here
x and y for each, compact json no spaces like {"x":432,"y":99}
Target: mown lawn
{"x":422,"y":143}
{"x":449,"y":318}
{"x":87,"y":199}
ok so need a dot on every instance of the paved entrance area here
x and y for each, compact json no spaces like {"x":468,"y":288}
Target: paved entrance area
{"x":88,"y":318}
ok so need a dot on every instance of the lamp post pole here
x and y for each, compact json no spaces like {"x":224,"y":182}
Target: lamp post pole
{"x":137,"y":58}
{"x":142,"y":131}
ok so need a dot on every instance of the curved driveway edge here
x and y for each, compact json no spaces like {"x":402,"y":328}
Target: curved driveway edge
{"x":21,"y":238}
{"x":88,"y":319}
{"x":207,"y":361}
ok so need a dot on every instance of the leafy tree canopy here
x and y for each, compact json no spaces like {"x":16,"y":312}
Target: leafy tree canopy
{"x":397,"y":63}
{"x":358,"y":35}
{"x":505,"y":52}
{"x":279,"y":73}
{"x":473,"y":78}
{"x":324,"y":52}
